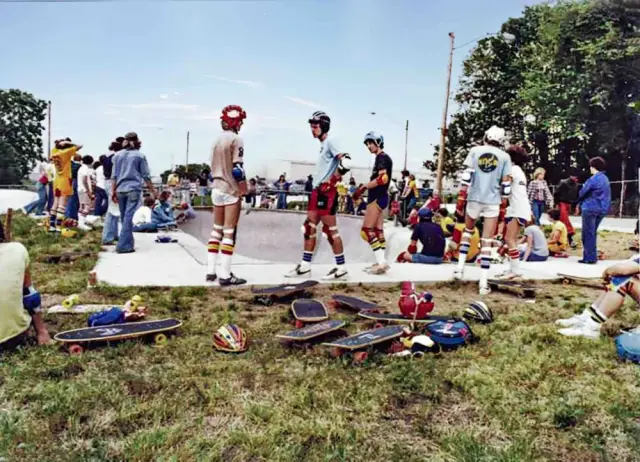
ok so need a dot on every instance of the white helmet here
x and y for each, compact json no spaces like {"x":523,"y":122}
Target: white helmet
{"x":495,"y":133}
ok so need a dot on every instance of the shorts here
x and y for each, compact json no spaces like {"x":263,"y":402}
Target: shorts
{"x":63,"y":187}
{"x":381,"y":200}
{"x":476,"y":210}
{"x":222,"y":199}
{"x":426,"y":259}
{"x":521,"y":221}
{"x":325,"y":202}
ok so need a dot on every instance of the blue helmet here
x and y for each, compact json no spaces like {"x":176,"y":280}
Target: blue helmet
{"x":425,"y":214}
{"x":377,"y":139}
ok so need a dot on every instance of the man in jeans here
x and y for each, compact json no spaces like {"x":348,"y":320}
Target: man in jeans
{"x":130,"y":170}
{"x":111,"y":220}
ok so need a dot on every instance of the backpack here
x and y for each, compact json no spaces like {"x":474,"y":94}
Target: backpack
{"x":113,"y":315}
{"x":628,"y":347}
{"x":450,"y":334}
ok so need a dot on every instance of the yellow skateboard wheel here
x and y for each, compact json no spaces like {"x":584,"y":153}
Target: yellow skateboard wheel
{"x":71,"y":300}
{"x":160,"y":339}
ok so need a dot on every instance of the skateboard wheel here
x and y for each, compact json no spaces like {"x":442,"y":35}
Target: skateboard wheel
{"x":360,"y":356}
{"x":299,"y":324}
{"x":566,"y":282}
{"x":336,"y":352}
{"x":160,"y":339}
{"x":75,"y":349}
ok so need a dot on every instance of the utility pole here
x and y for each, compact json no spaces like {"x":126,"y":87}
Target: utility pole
{"x":48,"y":129}
{"x":406,"y":143}
{"x":186,"y":167}
{"x":443,"y":129}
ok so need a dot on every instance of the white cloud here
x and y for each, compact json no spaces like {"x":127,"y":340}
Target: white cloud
{"x":157,"y":106}
{"x":302,"y":102}
{"x":164,"y":96}
{"x":247,"y":83}
{"x":176,"y":93}
{"x":151,"y":126}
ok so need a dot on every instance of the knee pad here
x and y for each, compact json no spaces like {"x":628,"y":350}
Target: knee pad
{"x":309,"y":230}
{"x":228,"y":241}
{"x":379,"y":234}
{"x":216,"y":233}
{"x":330,"y":232}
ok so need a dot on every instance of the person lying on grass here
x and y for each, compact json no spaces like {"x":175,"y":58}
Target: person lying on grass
{"x":430,"y":236}
{"x":623,"y":279}
{"x":19,"y":301}
{"x":558,"y":243}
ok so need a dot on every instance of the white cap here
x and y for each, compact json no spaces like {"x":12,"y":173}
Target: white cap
{"x":495,"y":134}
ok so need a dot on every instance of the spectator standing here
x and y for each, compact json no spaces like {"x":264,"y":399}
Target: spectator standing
{"x":102,"y":201}
{"x":566,"y":196}
{"x":203,"y":181}
{"x":73,"y":206}
{"x":539,"y":194}
{"x":50,"y":171}
{"x":594,"y":202}
{"x":252,"y":191}
{"x":37,"y":206}
{"x":282,"y":188}
{"x":111,"y":220}
{"x":85,"y":192}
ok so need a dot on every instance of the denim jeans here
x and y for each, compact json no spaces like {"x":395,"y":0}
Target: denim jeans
{"x":101,"y":202}
{"x":73,"y":205}
{"x":50,"y":196}
{"x":145,"y":228}
{"x":537,"y":207}
{"x":110,"y":230}
{"x":282,"y":201}
{"x":426,"y":259}
{"x":39,"y":204}
{"x":533,"y":257}
{"x":128,"y":202}
{"x":590,"y":222}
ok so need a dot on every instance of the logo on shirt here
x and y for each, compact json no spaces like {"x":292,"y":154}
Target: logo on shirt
{"x":488,"y":162}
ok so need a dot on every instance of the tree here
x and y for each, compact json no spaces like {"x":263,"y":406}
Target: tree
{"x":21,"y":117}
{"x":192,"y":170}
{"x":9,"y":168}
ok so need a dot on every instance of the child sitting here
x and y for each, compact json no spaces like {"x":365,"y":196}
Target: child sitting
{"x":447,"y":223}
{"x":430,"y":236}
{"x":533,"y":245}
{"x":142,"y":221}
{"x":162,"y":213}
{"x":559,"y":241}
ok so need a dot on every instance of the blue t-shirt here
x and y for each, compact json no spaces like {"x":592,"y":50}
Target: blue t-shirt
{"x":130,"y":170}
{"x":327,"y":162}
{"x":490,"y":164}
{"x":431,"y":237}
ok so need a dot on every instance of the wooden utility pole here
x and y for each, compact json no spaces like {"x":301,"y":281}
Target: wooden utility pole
{"x":443,"y":129}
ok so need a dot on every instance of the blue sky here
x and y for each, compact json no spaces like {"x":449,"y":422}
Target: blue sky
{"x":162,"y":68}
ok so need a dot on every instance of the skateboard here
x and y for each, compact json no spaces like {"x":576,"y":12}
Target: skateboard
{"x":521,"y":289}
{"x":593,"y":282}
{"x":381,"y":318}
{"x":66,"y":257}
{"x":314,"y":331}
{"x":308,"y":310}
{"x":364,"y":340}
{"x":80,"y":309}
{"x":352,"y":303}
{"x":74,"y":339}
{"x":269,"y":295}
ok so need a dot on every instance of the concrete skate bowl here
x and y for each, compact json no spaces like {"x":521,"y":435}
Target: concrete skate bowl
{"x":276,"y":236}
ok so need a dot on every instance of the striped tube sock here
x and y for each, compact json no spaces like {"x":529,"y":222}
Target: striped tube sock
{"x":307,"y":256}
{"x":485,"y":264}
{"x":514,"y":259}
{"x":213,"y":249}
{"x":226,"y":252}
{"x":381,"y":239}
{"x":339,"y":259}
{"x":596,"y":315}
{"x":464,"y":248}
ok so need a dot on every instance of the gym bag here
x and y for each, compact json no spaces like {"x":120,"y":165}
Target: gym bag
{"x":450,"y":334}
{"x":628,"y":347}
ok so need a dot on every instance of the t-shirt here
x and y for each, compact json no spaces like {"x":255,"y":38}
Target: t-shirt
{"x":327,"y":163}
{"x":560,"y":226}
{"x":203,"y":180}
{"x":446,"y":223}
{"x":411,"y":191}
{"x":130,"y":169}
{"x":61,"y":159}
{"x":490,"y":164}
{"x":14,"y":319}
{"x":539,"y":241}
{"x":142,"y":215}
{"x":519,"y":206}
{"x":84,"y":174}
{"x":226,"y":151}
{"x":431,"y":237}
{"x":173,"y":179}
{"x":382,"y":162}
{"x":101,"y":181}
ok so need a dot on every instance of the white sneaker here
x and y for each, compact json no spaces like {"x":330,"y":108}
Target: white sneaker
{"x":370,"y":267}
{"x":379,"y":269}
{"x":297,"y":272}
{"x":581,"y":330}
{"x":484,"y":290}
{"x":508,"y":276}
{"x":336,"y":273}
{"x":573,"y":321}
{"x":458,"y":274}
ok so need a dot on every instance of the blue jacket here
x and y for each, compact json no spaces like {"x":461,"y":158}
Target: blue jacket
{"x":595,"y":195}
{"x":162,"y":214}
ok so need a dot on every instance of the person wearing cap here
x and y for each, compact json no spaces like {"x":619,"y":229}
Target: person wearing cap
{"x":431,"y":238}
{"x":130,"y":172}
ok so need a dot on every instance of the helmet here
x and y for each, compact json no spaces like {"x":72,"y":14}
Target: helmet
{"x":321,"y":118}
{"x":495,"y":133}
{"x":425,"y":214}
{"x":377,"y":139}
{"x":478,"y":311}
{"x":232,"y":116}
{"x":230,"y":338}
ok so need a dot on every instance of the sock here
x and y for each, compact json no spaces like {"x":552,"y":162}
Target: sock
{"x":464,"y":248}
{"x":226,"y":252}
{"x":305,"y":264}
{"x":52,"y":218}
{"x":485,"y":264}
{"x":60,"y":215}
{"x":381,"y":239}
{"x":213,"y":248}
{"x":514,"y":259}
{"x":595,"y":316}
{"x":339,"y":259}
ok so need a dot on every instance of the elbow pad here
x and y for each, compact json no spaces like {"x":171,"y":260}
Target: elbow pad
{"x":467,"y":176}
{"x":238,"y":172}
{"x":31,"y":300}
{"x":505,"y":188}
{"x":382,"y":179}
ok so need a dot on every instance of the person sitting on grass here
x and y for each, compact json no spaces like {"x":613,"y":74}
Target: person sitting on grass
{"x":19,"y":302}
{"x":430,"y":236}
{"x":142,"y":221}
{"x":559,"y":241}
{"x":623,"y":279}
{"x":162,"y":213}
{"x":533,"y":245}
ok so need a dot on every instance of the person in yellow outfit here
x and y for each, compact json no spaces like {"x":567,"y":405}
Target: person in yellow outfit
{"x":61,"y":155}
{"x":559,"y":240}
{"x":453,"y":249}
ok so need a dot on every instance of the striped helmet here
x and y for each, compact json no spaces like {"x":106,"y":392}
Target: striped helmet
{"x":230,"y":338}
{"x":478,"y":311}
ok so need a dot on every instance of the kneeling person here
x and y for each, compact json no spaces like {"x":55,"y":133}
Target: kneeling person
{"x":430,"y":236}
{"x":559,"y":241}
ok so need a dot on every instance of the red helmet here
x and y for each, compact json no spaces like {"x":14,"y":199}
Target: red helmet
{"x":232,"y":116}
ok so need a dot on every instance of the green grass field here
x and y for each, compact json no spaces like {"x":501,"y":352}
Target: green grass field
{"x":522,"y":393}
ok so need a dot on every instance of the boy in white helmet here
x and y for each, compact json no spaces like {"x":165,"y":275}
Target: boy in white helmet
{"x":487,"y":177}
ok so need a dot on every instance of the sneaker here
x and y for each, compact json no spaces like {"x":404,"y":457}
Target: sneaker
{"x":84,"y":228}
{"x":368,"y":269}
{"x":573,"y":321}
{"x":297,"y":272}
{"x":53,"y":229}
{"x":335,"y":273}
{"x":582,"y":330}
{"x":458,"y":274}
{"x":231,"y":281}
{"x":508,"y":276}
{"x":484,"y":290}
{"x":379,"y":269}
{"x":211,"y":277}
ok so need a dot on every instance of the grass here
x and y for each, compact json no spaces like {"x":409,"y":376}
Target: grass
{"x":522,"y":393}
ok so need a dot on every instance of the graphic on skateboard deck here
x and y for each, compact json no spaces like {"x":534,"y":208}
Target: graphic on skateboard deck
{"x":73,"y":339}
{"x":80,"y":309}
{"x":399,"y":318}
{"x":363,"y":340}
{"x":593,"y":282}
{"x":521,"y":289}
{"x":312,"y":331}
{"x":353,"y":303}
{"x":307,"y":310}
{"x":269,"y":295}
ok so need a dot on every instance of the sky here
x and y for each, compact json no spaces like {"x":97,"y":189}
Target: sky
{"x":164,"y":68}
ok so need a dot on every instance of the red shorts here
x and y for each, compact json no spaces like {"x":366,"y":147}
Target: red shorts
{"x":325,"y":201}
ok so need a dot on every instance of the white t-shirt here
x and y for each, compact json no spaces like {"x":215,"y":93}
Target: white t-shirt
{"x":14,"y":319}
{"x":519,"y":206}
{"x":142,"y":215}
{"x":84,"y":174}
{"x":101,"y":181}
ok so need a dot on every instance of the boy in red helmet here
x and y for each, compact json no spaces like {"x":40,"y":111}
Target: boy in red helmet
{"x":229,"y":185}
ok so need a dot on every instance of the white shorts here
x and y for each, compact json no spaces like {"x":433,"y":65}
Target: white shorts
{"x":221,"y":199}
{"x":476,"y":210}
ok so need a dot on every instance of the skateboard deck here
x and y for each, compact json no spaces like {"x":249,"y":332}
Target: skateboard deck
{"x":80,"y":309}
{"x":308,"y":310}
{"x":519,"y":288}
{"x":268,"y":295}
{"x":367,"y":338}
{"x":398,"y":318}
{"x":353,"y":303}
{"x":312,"y":331}
{"x":594,"y":282}
{"x":117,"y":332}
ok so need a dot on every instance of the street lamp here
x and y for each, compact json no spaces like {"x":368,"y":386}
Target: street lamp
{"x":406,"y":134}
{"x":507,"y":37}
